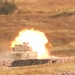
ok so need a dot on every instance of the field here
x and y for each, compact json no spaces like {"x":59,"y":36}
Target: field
{"x":46,"y":69}
{"x":55,"y":18}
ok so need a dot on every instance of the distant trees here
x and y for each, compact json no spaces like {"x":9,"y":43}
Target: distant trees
{"x":7,"y":6}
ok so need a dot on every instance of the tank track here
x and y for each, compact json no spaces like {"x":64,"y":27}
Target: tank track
{"x":29,"y":62}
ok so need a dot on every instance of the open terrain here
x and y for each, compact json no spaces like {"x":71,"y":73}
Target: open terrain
{"x":56,"y":18}
{"x":46,"y":69}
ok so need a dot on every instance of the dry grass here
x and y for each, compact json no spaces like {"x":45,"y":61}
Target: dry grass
{"x":42,"y":4}
{"x":49,"y":17}
{"x":54,"y":28}
{"x":45,"y":69}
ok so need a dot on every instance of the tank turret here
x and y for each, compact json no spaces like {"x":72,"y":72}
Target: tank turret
{"x":23,"y":51}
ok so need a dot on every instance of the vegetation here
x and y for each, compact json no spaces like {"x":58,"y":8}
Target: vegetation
{"x":7,"y":7}
{"x":65,"y":13}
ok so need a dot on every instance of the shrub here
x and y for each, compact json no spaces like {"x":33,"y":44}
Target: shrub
{"x":7,"y":8}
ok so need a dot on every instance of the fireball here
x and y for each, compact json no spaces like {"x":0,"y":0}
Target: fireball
{"x":36,"y":39}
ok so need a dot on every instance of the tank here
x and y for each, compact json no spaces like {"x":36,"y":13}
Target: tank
{"x":23,"y":52}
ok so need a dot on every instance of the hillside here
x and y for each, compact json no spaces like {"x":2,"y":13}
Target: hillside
{"x":45,"y":5}
{"x":56,"y":18}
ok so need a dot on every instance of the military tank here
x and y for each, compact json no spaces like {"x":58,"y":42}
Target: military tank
{"x":23,"y":52}
{"x":23,"y":55}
